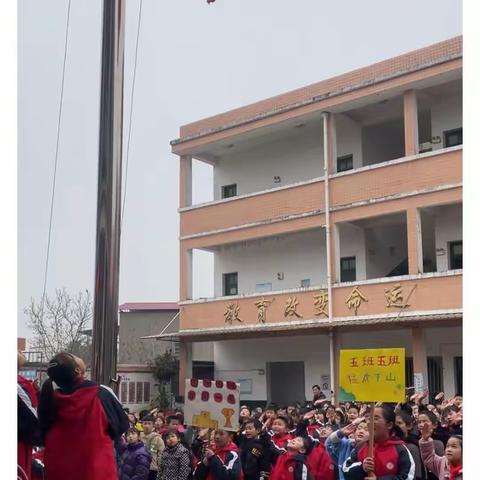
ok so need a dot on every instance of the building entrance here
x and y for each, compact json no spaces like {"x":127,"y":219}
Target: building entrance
{"x":285,"y":382}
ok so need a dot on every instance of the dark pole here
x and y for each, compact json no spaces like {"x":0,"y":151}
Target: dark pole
{"x":105,"y":317}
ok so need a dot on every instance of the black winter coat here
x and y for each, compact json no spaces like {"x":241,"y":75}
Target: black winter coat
{"x":253,"y":456}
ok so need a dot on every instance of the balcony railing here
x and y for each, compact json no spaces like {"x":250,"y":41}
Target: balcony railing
{"x":411,"y":175}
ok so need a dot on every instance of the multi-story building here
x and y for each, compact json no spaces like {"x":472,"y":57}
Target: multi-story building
{"x":336,"y":222}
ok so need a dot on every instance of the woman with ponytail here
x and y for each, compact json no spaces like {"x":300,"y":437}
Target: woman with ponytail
{"x":391,"y":459}
{"x":79,"y":419}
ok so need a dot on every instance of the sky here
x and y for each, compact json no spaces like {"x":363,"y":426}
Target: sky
{"x":194,"y":60}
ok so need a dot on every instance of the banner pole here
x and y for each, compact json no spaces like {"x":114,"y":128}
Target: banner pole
{"x":371,"y":430}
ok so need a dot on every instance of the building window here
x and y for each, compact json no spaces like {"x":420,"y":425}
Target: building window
{"x":131,"y":392}
{"x":146,"y":392}
{"x":139,"y":392}
{"x":345,"y":163}
{"x":458,"y":366}
{"x":455,"y":255}
{"x":435,"y":375}
{"x":229,"y":191}
{"x":453,"y":137}
{"x":123,"y":392}
{"x":230,"y":284}
{"x":263,"y":287}
{"x":348,"y":269}
{"x":305,"y":283}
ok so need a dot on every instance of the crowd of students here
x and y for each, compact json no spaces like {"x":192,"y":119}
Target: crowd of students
{"x":414,"y":440}
{"x":318,"y":441}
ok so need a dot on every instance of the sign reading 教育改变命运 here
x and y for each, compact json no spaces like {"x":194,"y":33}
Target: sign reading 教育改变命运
{"x":212,"y":404}
{"x":372,"y":375}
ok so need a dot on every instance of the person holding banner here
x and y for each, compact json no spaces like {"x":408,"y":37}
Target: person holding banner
{"x":390,"y":460}
{"x":220,"y":461}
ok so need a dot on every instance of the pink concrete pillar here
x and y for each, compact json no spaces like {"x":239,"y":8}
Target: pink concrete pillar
{"x":410,"y":121}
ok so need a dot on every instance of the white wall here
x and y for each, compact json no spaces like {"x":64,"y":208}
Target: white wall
{"x":446,"y":114}
{"x":202,"y":273}
{"x":136,"y":377}
{"x":202,"y":351}
{"x":241,"y":359}
{"x":349,"y":139}
{"x":299,"y":256}
{"x":352,"y":244}
{"x":292,"y":159}
{"x":448,"y":228}
{"x":378,"y":242}
{"x":202,"y":182}
{"x":428,"y":238}
{"x":383,"y":142}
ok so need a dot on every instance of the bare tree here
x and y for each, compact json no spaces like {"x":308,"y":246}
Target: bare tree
{"x":61,"y":324}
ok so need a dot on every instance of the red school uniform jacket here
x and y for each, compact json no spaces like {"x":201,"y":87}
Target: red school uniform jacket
{"x":392,"y":461}
{"x":319,"y":464}
{"x":280,"y":440}
{"x":290,"y":467}
{"x":78,"y":443}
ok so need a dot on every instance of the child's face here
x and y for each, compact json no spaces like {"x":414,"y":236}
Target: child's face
{"x":172,"y":440}
{"x":361,"y":433}
{"x":132,"y":437}
{"x":326,"y":431}
{"x":278,"y":426}
{"x":250,"y":431}
{"x":402,"y":425}
{"x":415,"y":411}
{"x":330,"y":413}
{"x":147,"y":427}
{"x":320,"y":417}
{"x":453,"y":451}
{"x":221,"y":438}
{"x":296,"y":445}
{"x":131,"y":418}
{"x":158,"y":423}
{"x":424,"y":420}
{"x":352,"y":414}
{"x":270,"y":414}
{"x":245,"y":412}
{"x":173,"y":426}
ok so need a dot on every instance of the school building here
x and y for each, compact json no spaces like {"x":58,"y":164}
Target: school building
{"x":335,"y":222}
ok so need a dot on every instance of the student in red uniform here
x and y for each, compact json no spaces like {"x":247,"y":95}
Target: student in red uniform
{"x":320,"y":465}
{"x":280,"y":432}
{"x":27,"y":420}
{"x":78,"y":421}
{"x":391,"y":458}
{"x":292,"y":464}
{"x":220,"y":461}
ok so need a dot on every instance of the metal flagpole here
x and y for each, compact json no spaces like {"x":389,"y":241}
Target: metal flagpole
{"x":105,"y":317}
